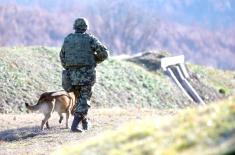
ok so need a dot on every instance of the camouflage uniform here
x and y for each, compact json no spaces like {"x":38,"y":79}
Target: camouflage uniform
{"x":80,"y":54}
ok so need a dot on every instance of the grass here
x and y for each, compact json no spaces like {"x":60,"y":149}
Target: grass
{"x":128,"y":84}
{"x":26,"y":72}
{"x":218,"y":79}
{"x":208,"y":130}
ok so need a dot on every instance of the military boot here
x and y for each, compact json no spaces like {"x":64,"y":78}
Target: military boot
{"x":85,"y":124}
{"x":76,"y":120}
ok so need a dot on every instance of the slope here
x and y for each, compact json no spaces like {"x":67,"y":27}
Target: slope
{"x":26,"y":72}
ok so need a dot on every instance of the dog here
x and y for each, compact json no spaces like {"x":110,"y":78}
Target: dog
{"x":59,"y":101}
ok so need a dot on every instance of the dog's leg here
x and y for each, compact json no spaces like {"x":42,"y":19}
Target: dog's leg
{"x":61,"y":117}
{"x":42,"y":125}
{"x":67,"y":119}
{"x":47,"y":125}
{"x":49,"y":114}
{"x":45,"y":120}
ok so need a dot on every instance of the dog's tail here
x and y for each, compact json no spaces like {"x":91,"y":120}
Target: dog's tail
{"x":32,"y":107}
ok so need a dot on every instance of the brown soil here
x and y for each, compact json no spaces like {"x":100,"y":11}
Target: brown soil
{"x":21,"y":134}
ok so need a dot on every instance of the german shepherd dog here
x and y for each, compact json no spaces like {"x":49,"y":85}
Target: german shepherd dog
{"x":59,"y":101}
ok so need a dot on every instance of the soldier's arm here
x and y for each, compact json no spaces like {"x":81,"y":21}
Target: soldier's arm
{"x":101,"y":52}
{"x":62,"y":51}
{"x":62,"y":56}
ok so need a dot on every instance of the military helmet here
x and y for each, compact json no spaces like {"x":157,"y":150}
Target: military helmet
{"x":80,"y":24}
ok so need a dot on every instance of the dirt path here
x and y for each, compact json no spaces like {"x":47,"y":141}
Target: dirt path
{"x":20,"y":134}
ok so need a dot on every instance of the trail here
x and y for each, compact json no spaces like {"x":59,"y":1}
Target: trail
{"x":21,"y":134}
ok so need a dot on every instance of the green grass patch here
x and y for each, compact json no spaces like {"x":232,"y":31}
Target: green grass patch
{"x":221,"y":80}
{"x":26,"y":72}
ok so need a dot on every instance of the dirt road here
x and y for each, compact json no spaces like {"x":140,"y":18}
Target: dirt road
{"x":21,"y":134}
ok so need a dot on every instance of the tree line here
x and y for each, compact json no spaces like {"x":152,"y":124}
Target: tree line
{"x":124,"y":28}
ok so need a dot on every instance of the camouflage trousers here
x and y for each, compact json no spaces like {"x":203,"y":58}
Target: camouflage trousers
{"x":80,"y":81}
{"x":83,"y":95}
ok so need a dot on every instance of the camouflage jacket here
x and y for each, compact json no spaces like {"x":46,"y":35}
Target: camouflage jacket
{"x":79,"y":55}
{"x":82,"y":49}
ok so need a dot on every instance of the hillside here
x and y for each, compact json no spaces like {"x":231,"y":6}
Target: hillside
{"x":26,"y":72}
{"x":133,"y":90}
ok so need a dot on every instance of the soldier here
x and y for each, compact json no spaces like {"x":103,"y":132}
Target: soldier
{"x":80,"y":54}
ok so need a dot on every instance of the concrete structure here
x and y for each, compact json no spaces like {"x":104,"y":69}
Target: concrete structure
{"x":176,"y":69}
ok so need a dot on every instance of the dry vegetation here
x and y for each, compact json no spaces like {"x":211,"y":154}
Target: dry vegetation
{"x":202,"y":130}
{"x":208,"y":129}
